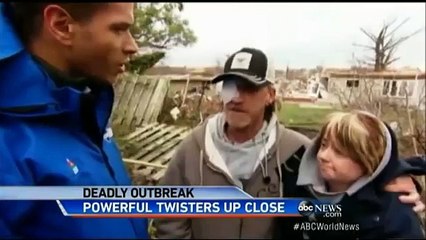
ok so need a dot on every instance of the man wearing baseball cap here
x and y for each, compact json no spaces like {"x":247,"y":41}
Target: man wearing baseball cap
{"x":244,"y":146}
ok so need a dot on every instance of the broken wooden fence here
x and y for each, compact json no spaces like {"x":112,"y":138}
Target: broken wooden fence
{"x":139,"y":100}
{"x":151,"y":147}
{"x":138,"y":103}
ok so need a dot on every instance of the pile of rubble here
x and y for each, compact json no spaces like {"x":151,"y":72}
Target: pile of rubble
{"x":189,"y":110}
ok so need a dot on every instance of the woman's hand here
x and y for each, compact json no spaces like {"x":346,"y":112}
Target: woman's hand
{"x":407,"y":187}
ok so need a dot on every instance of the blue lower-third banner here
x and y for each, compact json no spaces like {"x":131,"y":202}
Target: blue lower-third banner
{"x":175,"y":208}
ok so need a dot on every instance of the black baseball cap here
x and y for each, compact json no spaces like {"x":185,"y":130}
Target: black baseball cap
{"x":248,"y":64}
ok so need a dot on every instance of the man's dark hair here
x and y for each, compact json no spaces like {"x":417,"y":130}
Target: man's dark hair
{"x":27,"y":17}
{"x":269,"y":111}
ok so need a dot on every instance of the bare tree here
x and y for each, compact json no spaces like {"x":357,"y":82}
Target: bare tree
{"x":367,"y":94}
{"x":362,"y":95}
{"x":384,"y":44}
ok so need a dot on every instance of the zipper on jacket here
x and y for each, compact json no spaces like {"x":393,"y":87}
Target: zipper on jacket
{"x":231,"y":181}
{"x":233,"y":184}
{"x":270,"y":157}
{"x":241,"y":219}
{"x":244,"y":187}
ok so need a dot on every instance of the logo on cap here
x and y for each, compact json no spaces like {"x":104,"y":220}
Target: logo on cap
{"x":241,"y":60}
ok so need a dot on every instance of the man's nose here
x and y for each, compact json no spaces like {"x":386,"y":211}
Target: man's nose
{"x":131,"y":47}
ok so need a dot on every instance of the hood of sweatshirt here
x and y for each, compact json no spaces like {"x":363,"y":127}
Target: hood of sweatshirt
{"x":389,"y":168}
{"x":238,"y":160}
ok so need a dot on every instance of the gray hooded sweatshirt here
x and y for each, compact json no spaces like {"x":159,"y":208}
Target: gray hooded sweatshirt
{"x":198,"y":161}
{"x":242,"y":159}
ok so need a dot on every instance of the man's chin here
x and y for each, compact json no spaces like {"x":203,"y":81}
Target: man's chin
{"x":112,"y":79}
{"x":237,"y":123}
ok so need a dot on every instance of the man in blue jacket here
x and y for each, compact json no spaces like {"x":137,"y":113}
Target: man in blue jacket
{"x":57,"y":66}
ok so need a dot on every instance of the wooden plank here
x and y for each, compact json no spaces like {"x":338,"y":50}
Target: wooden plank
{"x":155,"y":174}
{"x":141,"y":138}
{"x":127,"y":106}
{"x":145,"y":101}
{"x":126,"y":82}
{"x":156,"y":140}
{"x":117,"y":109}
{"x":164,"y":147}
{"x":157,"y":143}
{"x":163,"y":90}
{"x":159,"y":147}
{"x":164,"y":157}
{"x":127,"y":160}
{"x":185,"y":90}
{"x":134,"y":101}
{"x":146,"y":170}
{"x":125,"y":99}
{"x":139,"y":131}
{"x":118,"y":91}
{"x":157,"y":100}
{"x":151,"y":141}
{"x":162,"y":160}
{"x":156,"y":177}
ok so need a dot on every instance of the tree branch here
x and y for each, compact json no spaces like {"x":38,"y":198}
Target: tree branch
{"x":370,"y":35}
{"x":400,"y":40}
{"x":396,"y":28}
{"x":155,"y":45}
{"x":363,"y":46}
{"x":389,"y":56}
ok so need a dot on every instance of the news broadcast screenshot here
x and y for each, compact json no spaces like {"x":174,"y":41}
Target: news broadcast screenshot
{"x":148,"y":120}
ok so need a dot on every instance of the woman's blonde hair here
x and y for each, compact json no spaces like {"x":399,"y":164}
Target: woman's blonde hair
{"x":357,"y":135}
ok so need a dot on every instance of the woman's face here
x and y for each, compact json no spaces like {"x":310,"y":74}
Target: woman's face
{"x":334,"y":164}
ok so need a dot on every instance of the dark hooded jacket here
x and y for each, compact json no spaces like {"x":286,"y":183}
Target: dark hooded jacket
{"x":368,"y":211}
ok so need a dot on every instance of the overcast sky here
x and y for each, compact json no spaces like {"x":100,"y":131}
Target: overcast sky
{"x":297,"y":34}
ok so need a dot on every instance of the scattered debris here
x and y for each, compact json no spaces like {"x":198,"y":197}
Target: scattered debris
{"x":175,"y":113}
{"x":139,"y":100}
{"x":149,"y":149}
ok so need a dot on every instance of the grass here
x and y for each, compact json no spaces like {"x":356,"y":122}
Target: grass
{"x":292,"y":114}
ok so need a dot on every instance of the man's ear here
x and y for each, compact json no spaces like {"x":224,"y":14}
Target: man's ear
{"x":271,"y":94}
{"x":58,"y":23}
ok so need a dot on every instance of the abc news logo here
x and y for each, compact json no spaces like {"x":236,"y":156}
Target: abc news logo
{"x":307,"y":208}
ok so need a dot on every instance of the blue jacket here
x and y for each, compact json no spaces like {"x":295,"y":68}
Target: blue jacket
{"x":43,"y":143}
{"x":378,"y":213}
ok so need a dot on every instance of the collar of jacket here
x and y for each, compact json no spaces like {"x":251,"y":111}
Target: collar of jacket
{"x":62,"y":79}
{"x":27,"y":90}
